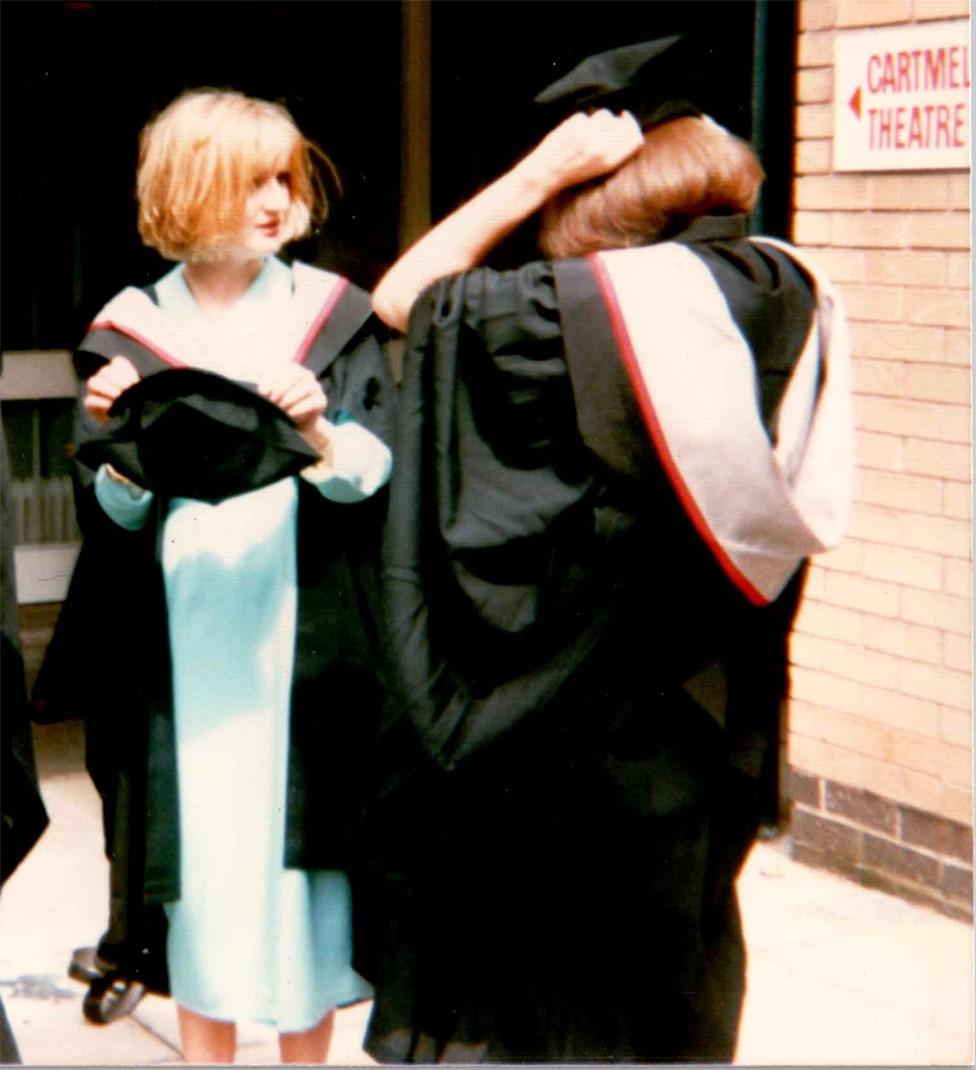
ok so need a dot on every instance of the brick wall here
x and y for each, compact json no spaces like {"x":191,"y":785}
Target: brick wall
{"x":880,"y":742}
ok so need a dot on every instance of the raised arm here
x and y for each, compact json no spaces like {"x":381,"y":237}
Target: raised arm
{"x":580,"y":148}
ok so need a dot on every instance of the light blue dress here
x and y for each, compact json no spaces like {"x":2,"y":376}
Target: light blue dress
{"x":248,"y":939}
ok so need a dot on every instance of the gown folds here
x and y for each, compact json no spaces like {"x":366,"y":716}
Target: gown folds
{"x":610,"y":473}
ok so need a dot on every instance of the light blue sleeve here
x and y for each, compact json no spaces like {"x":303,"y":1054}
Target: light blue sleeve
{"x":361,"y":464}
{"x":118,"y":503}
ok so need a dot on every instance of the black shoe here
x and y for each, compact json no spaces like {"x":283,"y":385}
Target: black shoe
{"x":112,"y":997}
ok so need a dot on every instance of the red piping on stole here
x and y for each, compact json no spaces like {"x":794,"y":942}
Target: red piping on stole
{"x":622,"y":337}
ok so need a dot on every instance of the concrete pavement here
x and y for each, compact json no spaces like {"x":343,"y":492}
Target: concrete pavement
{"x":838,"y":974}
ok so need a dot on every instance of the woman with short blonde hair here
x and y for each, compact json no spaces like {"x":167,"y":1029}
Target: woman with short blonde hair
{"x":233,"y":452}
{"x":199,"y":160}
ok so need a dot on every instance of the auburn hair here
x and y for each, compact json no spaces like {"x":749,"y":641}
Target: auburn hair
{"x":687,"y":167}
{"x":204,"y":154}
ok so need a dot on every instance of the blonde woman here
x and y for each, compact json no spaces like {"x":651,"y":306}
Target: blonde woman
{"x":232,"y":599}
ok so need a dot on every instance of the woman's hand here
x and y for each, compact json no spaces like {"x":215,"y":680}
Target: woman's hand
{"x":580,"y":148}
{"x":583,"y":147}
{"x":107,"y":384}
{"x":135,"y":491}
{"x":298,"y":393}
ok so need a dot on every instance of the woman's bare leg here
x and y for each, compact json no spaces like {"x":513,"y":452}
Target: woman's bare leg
{"x":312,"y":1046}
{"x":205,"y":1040}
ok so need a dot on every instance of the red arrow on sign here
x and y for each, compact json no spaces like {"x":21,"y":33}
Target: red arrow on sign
{"x":855,"y":102}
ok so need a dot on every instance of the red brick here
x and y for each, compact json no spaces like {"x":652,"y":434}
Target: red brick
{"x":936,"y":230}
{"x":855,"y":592}
{"x":839,"y":841}
{"x":812,"y":157}
{"x":843,"y":265}
{"x":875,"y":524}
{"x":900,"y":341}
{"x":890,"y":781}
{"x":861,"y":807}
{"x":822,"y":689}
{"x":959,"y":268}
{"x":907,"y":192}
{"x":936,"y":609}
{"x":847,"y":557}
{"x":944,"y":459}
{"x":957,"y":883}
{"x":869,"y":230}
{"x":811,"y":228}
{"x":883,"y":377}
{"x":859,"y":663}
{"x":940,"y":9}
{"x":908,"y":268}
{"x":958,"y":501}
{"x":905,"y":640}
{"x":958,"y":653}
{"x":956,"y":766}
{"x":816,"y":14}
{"x":901,"y":491}
{"x":814,"y":86}
{"x":956,"y":726}
{"x":955,"y":803}
{"x":947,"y":686}
{"x":804,"y":788}
{"x":937,"y":307}
{"x":935,"y":833}
{"x":922,"y":419}
{"x":815,"y":49}
{"x":806,"y":650}
{"x":933,"y":899}
{"x":958,"y":346}
{"x":827,"y":193}
{"x":960,"y":185}
{"x":815,"y":618}
{"x":910,"y":568}
{"x":900,"y":861}
{"x":817,"y":859}
{"x":959,"y":578}
{"x":814,"y":120}
{"x":938,"y":383}
{"x":865,"y":13}
{"x":903,"y":712}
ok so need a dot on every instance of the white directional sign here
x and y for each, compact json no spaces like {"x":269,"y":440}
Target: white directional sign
{"x":902,"y":98}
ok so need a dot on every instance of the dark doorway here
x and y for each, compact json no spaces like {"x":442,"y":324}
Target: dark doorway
{"x":81,"y":78}
{"x":490,"y":58}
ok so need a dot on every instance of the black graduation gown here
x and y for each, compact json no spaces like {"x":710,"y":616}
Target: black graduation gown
{"x":569,"y":785}
{"x":109,"y":661}
{"x":23,"y":817}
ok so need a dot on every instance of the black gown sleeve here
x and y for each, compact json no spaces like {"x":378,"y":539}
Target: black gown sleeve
{"x":495,"y":588}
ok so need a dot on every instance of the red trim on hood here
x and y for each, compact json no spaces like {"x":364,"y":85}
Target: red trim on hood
{"x":327,"y":309}
{"x":658,"y":437}
{"x":121,"y":328}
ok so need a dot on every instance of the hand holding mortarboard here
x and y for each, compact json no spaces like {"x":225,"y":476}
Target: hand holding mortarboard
{"x":191,"y":434}
{"x":111,"y":380}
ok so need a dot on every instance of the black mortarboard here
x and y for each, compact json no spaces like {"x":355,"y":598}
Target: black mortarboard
{"x":191,"y":434}
{"x":654,"y":80}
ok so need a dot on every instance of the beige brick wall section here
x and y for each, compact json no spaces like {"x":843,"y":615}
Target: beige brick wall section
{"x":882,"y":650}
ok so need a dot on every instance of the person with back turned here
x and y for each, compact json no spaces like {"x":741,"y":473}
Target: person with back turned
{"x":612,"y":466}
